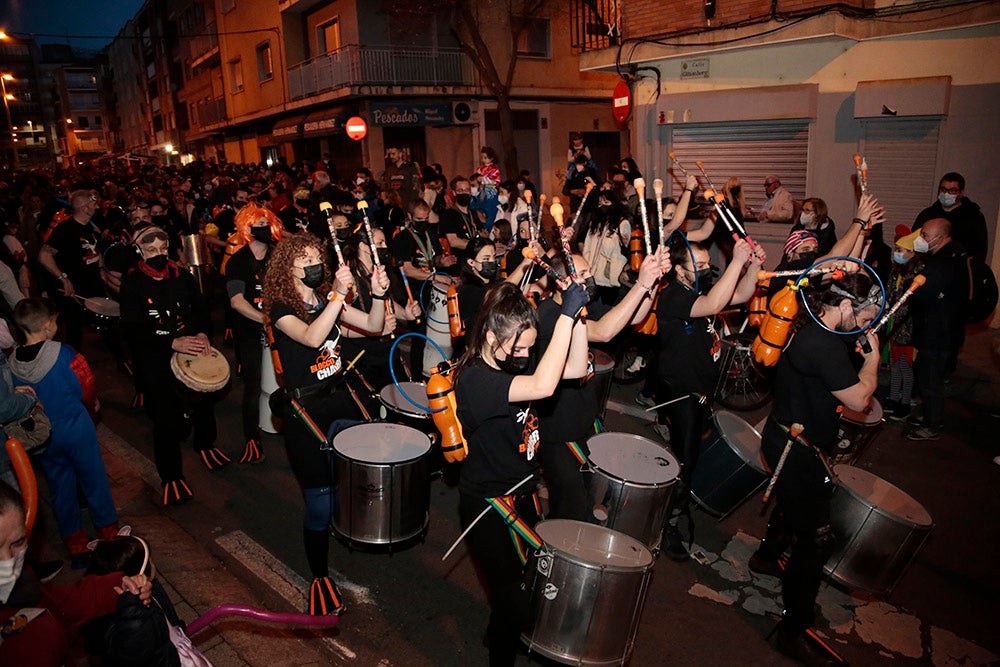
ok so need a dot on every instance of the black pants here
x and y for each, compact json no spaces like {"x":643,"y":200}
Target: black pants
{"x":569,"y":490}
{"x":249,"y":347}
{"x":493,"y":552}
{"x":930,"y":370}
{"x":688,"y":420}
{"x":801,"y":517}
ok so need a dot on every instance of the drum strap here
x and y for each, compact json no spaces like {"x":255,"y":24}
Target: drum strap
{"x":577,"y":453}
{"x":304,"y":417}
{"x":819,"y":453}
{"x":357,"y":401}
{"x":520,"y":532}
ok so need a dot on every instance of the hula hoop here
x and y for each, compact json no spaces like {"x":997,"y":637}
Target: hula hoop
{"x":423,"y":289}
{"x":392,"y":371}
{"x":870,"y":270}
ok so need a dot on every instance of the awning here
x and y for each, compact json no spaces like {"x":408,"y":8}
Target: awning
{"x":322,"y":124}
{"x":288,"y":129}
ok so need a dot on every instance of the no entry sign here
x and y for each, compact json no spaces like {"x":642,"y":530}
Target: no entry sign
{"x":621,"y":102}
{"x":357,"y":128}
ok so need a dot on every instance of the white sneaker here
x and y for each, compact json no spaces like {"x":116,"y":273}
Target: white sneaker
{"x":663,"y":431}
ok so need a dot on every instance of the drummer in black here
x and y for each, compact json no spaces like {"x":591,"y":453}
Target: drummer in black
{"x":162,"y":313}
{"x":302,"y":310}
{"x":815,"y":377}
{"x":568,"y":417}
{"x":687,"y":366}
{"x":258,"y":229}
{"x":496,"y":407}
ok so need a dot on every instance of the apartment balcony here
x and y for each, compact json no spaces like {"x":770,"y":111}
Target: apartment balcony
{"x":212,"y":112}
{"x":204,"y":46}
{"x":380,"y":66}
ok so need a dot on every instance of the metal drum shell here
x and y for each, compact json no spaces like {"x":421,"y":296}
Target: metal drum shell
{"x":586,"y":611}
{"x":604,"y":369}
{"x":381,"y":502}
{"x":726,"y":475}
{"x":635,"y":508}
{"x":195,"y":250}
{"x":875,"y":544}
{"x":857,"y":431}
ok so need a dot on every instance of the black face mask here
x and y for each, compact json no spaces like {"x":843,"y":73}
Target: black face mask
{"x":157,"y":262}
{"x":489,"y":270}
{"x":419,"y":227}
{"x":261,"y":234}
{"x":384,"y":256}
{"x":343,"y":234}
{"x":313,"y":277}
{"x":158,"y":220}
{"x":514,"y":365}
{"x":704,"y":280}
{"x":463,"y":199}
{"x":735,"y":191}
{"x":590,"y":284}
{"x":808,"y":257}
{"x":302,"y":203}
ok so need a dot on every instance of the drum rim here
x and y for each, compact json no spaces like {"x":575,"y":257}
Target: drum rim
{"x":606,"y":369}
{"x":377,"y":464}
{"x":629,"y":482}
{"x":92,"y":300}
{"x":412,"y":412}
{"x":180,"y":375}
{"x":880,"y":510}
{"x":550,"y":550}
{"x":755,"y":464}
{"x":872,"y":424}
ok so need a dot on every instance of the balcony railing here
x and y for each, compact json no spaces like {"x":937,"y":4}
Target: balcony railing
{"x":212,"y":112}
{"x":594,"y":24}
{"x":380,"y":66}
{"x":202,"y":44}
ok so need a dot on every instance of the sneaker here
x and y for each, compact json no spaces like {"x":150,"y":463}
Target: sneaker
{"x":325,"y":598}
{"x":806,"y":648}
{"x":47,"y":570}
{"x":761,"y":565}
{"x":673,"y":545}
{"x":922,"y":433}
{"x":663,"y":431}
{"x":176,"y":492}
{"x":251,"y":452}
{"x":214,"y":459}
{"x":645,"y":401}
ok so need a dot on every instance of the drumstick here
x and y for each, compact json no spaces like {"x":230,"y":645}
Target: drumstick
{"x":658,"y":193}
{"x":409,"y":293}
{"x":677,"y":163}
{"x":861,"y":166}
{"x":838,"y":274}
{"x":586,"y":193}
{"x":481,"y":515}
{"x":327,"y":210}
{"x":557,"y":214}
{"x":529,"y":253}
{"x":363,"y":207}
{"x":640,"y":189}
{"x":354,"y":361}
{"x":918,"y":280}
{"x":793,"y":434}
{"x":532,"y":234}
{"x":700,"y":397}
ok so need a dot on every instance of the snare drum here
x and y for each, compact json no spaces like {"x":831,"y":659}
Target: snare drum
{"x":604,"y":366}
{"x":102,"y":312}
{"x":730,"y":468}
{"x":857,"y":430}
{"x":384,"y":483}
{"x":396,"y":408}
{"x":203,"y":373}
{"x":633,"y":480}
{"x":879,"y":531}
{"x":435,"y":300}
{"x":587,"y":588}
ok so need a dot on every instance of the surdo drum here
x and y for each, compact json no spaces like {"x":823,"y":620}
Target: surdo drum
{"x":435,"y":299}
{"x":632,"y":482}
{"x":879,"y":530}
{"x":729,"y":467}
{"x":604,"y":366}
{"x":203,"y":373}
{"x":587,"y":588}
{"x":857,"y":431}
{"x":101,"y":311}
{"x":395,"y":407}
{"x":384,"y":483}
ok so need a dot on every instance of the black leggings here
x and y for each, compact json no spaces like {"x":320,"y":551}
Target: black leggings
{"x":688,"y":420}
{"x":249,"y":347}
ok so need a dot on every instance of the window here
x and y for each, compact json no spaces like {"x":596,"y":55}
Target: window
{"x":98,"y":121}
{"x":236,"y":75}
{"x":328,"y":36}
{"x":265,"y":70}
{"x":82,"y":122}
{"x":535,"y":39}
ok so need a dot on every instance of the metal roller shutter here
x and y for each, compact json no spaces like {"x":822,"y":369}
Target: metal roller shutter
{"x":747,"y":150}
{"x":902,"y":165}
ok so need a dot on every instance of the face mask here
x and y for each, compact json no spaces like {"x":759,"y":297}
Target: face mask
{"x":420,"y":227}
{"x":475,"y":190}
{"x":735,"y":190}
{"x":463,"y":199}
{"x":520,"y":187}
{"x":947,"y":200}
{"x":704,"y":279}
{"x":513,"y":365}
{"x":590,"y":284}
{"x":806,"y":218}
{"x":503,"y":199}
{"x":157,"y":262}
{"x":313,"y":277}
{"x":239,"y":204}
{"x":384,"y":256}
{"x":158,"y":220}
{"x":808,"y":257}
{"x":921,"y":245}
{"x":489,"y":270}
{"x":343,"y":234}
{"x":359,"y":195}
{"x":302,"y":203}
{"x":261,"y":234}
{"x":361,"y":181}
{"x":898,"y":257}
{"x":10,"y":570}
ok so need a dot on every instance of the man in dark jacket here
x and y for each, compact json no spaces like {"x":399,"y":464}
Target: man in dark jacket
{"x":968,"y":226}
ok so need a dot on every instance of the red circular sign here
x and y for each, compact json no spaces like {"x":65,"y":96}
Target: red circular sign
{"x":621,"y":102}
{"x":357,"y":128}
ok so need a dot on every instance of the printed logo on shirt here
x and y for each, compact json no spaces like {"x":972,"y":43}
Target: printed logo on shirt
{"x":327,"y":362}
{"x":529,"y":432}
{"x":716,"y":350}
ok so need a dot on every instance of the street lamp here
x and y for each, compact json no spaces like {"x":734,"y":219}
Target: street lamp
{"x":7,"y":97}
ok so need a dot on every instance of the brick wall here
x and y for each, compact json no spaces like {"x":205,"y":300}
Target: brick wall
{"x":649,"y":18}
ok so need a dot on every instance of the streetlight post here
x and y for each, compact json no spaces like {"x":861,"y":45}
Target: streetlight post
{"x":4,"y":78}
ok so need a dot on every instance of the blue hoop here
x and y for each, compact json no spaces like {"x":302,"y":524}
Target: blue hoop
{"x":423,"y":293}
{"x":392,"y":371}
{"x":870,"y":270}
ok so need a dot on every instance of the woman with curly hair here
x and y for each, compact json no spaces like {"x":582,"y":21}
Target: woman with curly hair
{"x":257,"y":229}
{"x":302,"y":310}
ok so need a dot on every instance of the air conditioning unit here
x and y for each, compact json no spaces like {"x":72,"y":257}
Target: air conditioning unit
{"x":464,"y":113}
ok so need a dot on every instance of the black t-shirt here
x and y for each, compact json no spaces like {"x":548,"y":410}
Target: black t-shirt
{"x":154,"y":312}
{"x":689,"y":346}
{"x":569,"y":414}
{"x":245,"y":275}
{"x":815,"y":364}
{"x":502,"y":436}
{"x":304,"y":366}
{"x":462,"y":225}
{"x":939,"y":306}
{"x":294,"y":220}
{"x":77,"y":256}
{"x":406,"y":248}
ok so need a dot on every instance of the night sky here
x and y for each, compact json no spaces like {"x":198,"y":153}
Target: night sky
{"x":70,"y":18}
